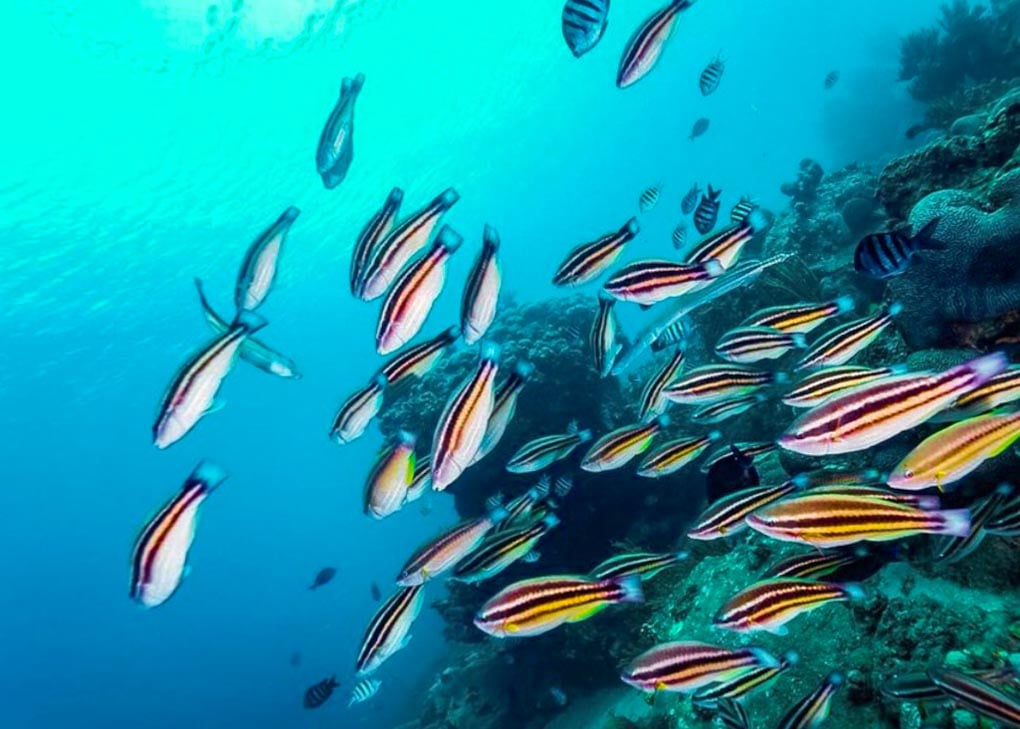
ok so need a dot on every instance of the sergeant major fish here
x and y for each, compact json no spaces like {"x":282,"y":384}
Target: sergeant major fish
{"x":584,"y":22}
{"x":707,"y":211}
{"x":711,"y":76}
{"x":690,"y":200}
{"x":884,"y":255}
{"x":319,"y":694}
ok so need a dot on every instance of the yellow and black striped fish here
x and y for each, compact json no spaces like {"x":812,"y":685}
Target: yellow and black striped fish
{"x":617,"y":448}
{"x":418,"y":360}
{"x":652,"y":402}
{"x":743,"y":683}
{"x":686,"y":666}
{"x":771,"y":603}
{"x":727,"y":515}
{"x":841,"y":344}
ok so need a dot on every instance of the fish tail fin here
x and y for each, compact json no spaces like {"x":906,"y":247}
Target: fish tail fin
{"x":780,"y":378}
{"x":898,"y":369}
{"x":756,"y":220}
{"x":763,"y":657}
{"x":987,"y":366}
{"x":490,"y":238}
{"x":406,"y":438}
{"x":448,"y":238}
{"x":356,"y":83}
{"x":249,"y":321}
{"x":630,"y":588}
{"x":490,"y":351}
{"x":663,"y":420}
{"x":682,"y":555}
{"x":208,"y":474}
{"x":714,"y":268}
{"x":550,"y":520}
{"x":925,"y":239}
{"x":631,"y":227}
{"x":844,"y":304}
{"x":799,"y":340}
{"x":854,"y":592}
{"x":894,"y":309}
{"x":290,"y":214}
{"x":524,"y":369}
{"x":955,"y":522}
{"x":395,"y":197}
{"x":447,"y":198}
{"x":714,"y":435}
{"x":497,"y":513}
{"x":791,"y":658}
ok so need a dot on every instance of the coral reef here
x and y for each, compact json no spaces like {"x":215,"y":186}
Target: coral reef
{"x":804,"y":189}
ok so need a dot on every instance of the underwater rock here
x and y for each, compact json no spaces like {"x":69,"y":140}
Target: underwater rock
{"x":968,"y":125}
{"x":805,"y":187}
{"x":859,"y":214}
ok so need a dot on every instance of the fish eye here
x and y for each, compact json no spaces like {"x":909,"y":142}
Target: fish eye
{"x":908,"y":473}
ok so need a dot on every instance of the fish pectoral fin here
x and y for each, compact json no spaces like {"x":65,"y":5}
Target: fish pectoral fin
{"x":215,"y":406}
{"x":585,"y":613}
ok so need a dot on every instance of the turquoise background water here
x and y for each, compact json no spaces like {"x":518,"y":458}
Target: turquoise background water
{"x":146,"y":143}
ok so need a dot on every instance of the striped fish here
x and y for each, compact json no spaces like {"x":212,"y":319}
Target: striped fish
{"x":978,"y":695}
{"x":707,"y":211}
{"x":481,"y":292}
{"x":951,"y":549}
{"x":588,"y":260}
{"x":386,"y":486}
{"x":421,"y":480}
{"x":818,"y":386}
{"x":651,"y":281}
{"x":192,"y":392}
{"x":727,"y":515}
{"x":841,"y":344}
{"x":363,"y":691}
{"x":679,"y":236}
{"x":584,"y":22}
{"x":374,"y":232}
{"x":462,"y":424}
{"x":834,"y":478}
{"x":537,"y":454}
{"x":414,"y":292}
{"x":520,"y":510}
{"x":357,"y":412}
{"x":649,"y":198}
{"x":643,"y":564}
{"x":536,"y":606}
{"x":444,"y":552}
{"x":617,"y":448}
{"x":1002,"y":389}
{"x":747,"y":345}
{"x":744,"y":207}
{"x":830,"y":79}
{"x":884,"y":255}
{"x":402,"y":244}
{"x":727,"y":244}
{"x":500,"y":550}
{"x":917,"y":501}
{"x":813,"y":709}
{"x":743,"y":683}
{"x":713,"y":383}
{"x":688,"y":666}
{"x":335,"y":152}
{"x":770,"y":604}
{"x":258,"y":269}
{"x":673,"y":334}
{"x":732,"y":714}
{"x":319,"y":694}
{"x":690,"y":200}
{"x":872,"y":414}
{"x":912,"y":687}
{"x":1005,"y":522}
{"x":711,"y":76}
{"x":836,"y":520}
{"x":161,"y":551}
{"x":674,"y":455}
{"x":652,"y":402}
{"x":645,"y":46}
{"x":604,"y":338}
{"x":813,"y":565}
{"x":799,"y":317}
{"x":750,"y":449}
{"x":717,"y":412}
{"x":390,"y":629}
{"x":504,"y":405}
{"x":418,"y":361}
{"x":252,"y":351}
{"x":952,"y":453}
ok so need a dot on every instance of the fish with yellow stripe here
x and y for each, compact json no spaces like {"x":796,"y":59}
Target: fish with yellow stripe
{"x":192,"y":392}
{"x":952,"y":453}
{"x":871,"y":414}
{"x":841,"y":344}
{"x":686,"y":666}
{"x":356,"y":413}
{"x":652,"y":402}
{"x":390,"y":629}
{"x":728,"y":515}
{"x":816,"y":387}
{"x":813,"y":709}
{"x":386,"y":486}
{"x":978,"y":695}
{"x":650,"y":281}
{"x":802,"y":318}
{"x":421,"y":480}
{"x":743,"y":683}
{"x":462,"y":424}
{"x":771,"y":603}
{"x":1002,"y":389}
{"x":726,"y":245}
{"x":532,"y":607}
{"x":415,"y":290}
{"x":444,"y":552}
{"x":617,"y":448}
{"x":713,"y":383}
{"x":747,"y":345}
{"x":836,"y":520}
{"x":589,"y":260}
{"x":674,"y":455}
{"x":720,"y":410}
{"x":504,"y":405}
{"x":519,"y":510}
{"x":500,"y":550}
{"x":644,"y":564}
{"x":481,"y":292}
{"x":539,"y":453}
{"x":160,"y":554}
{"x":418,"y":360}
{"x":374,"y":232}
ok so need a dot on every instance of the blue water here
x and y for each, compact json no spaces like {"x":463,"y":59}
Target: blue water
{"x":142,"y":149}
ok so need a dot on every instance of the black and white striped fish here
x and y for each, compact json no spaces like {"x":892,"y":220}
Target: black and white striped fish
{"x":258,"y":269}
{"x":319,"y":694}
{"x":679,"y":236}
{"x":884,"y":255}
{"x":744,"y":207}
{"x":690,"y":200}
{"x":732,"y":714}
{"x":707,"y":211}
{"x":709,"y":80}
{"x":584,"y":22}
{"x":649,"y":198}
{"x":978,"y":695}
{"x":673,"y":334}
{"x":364,"y":690}
{"x":831,"y":78}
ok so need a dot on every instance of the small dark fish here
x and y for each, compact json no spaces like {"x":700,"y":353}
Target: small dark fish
{"x":744,"y":207}
{"x":831,"y":78}
{"x":679,"y":236}
{"x":326,"y":574}
{"x":649,"y":198}
{"x":699,"y":128}
{"x":734,"y":473}
{"x":690,"y":200}
{"x":884,"y":255}
{"x":709,"y":80}
{"x":375,"y":591}
{"x":584,"y":22}
{"x":707,"y":211}
{"x":336,"y":143}
{"x":295,"y":659}
{"x":319,"y":694}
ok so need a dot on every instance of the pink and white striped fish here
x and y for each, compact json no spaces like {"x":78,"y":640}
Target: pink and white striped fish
{"x":258,"y":270}
{"x":416,"y":289}
{"x":161,"y":550}
{"x":462,"y":425}
{"x":646,"y":44}
{"x":589,"y":260}
{"x":445,"y":551}
{"x":478,"y":305}
{"x":390,"y":629}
